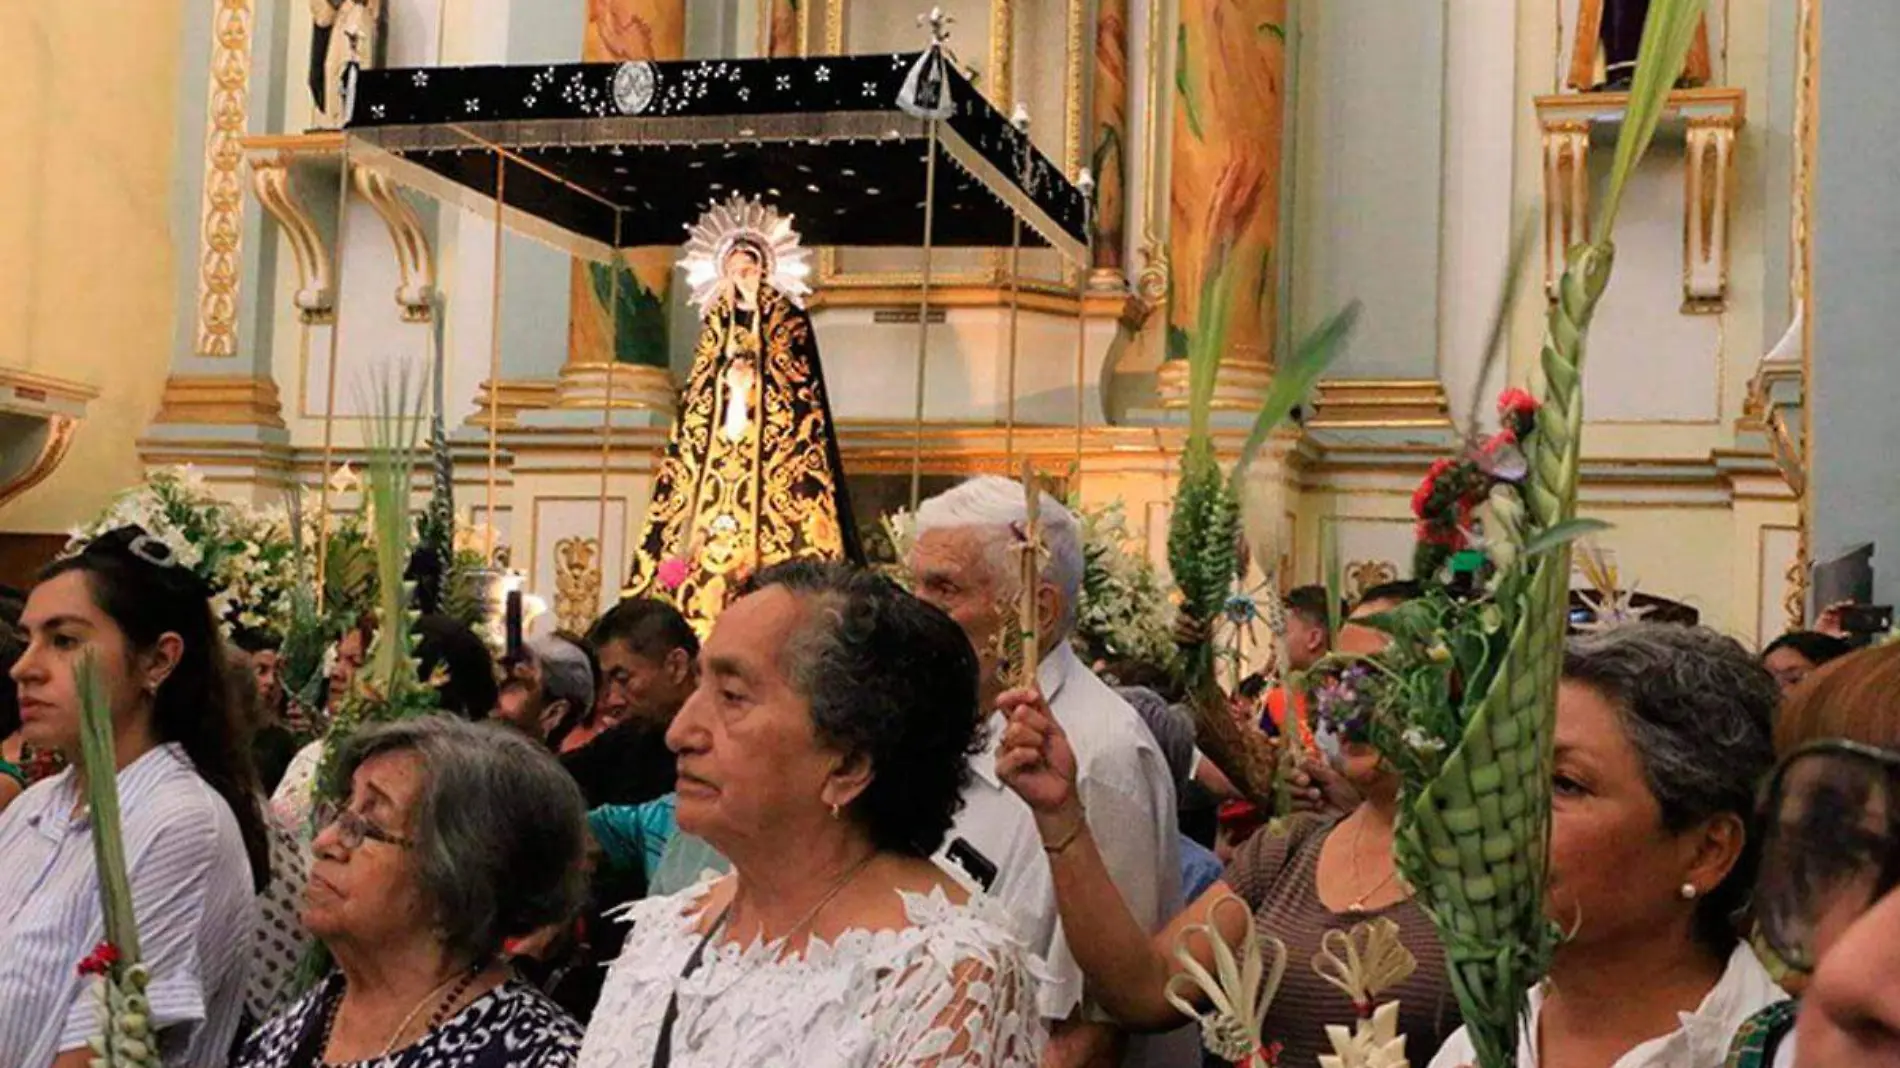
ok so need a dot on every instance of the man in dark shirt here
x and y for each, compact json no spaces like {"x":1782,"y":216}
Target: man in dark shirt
{"x":648,"y":667}
{"x":649,"y":663}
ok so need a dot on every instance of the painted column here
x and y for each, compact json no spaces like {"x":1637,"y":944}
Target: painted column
{"x":1108,"y":153}
{"x":1224,"y":189}
{"x":783,"y":19}
{"x":618,"y":31}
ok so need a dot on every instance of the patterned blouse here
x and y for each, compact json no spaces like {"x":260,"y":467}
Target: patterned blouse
{"x":511,"y":1026}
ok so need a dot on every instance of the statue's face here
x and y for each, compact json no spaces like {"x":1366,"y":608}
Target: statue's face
{"x":744,"y":270}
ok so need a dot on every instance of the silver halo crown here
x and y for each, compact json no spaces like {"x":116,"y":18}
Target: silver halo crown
{"x":744,"y":222}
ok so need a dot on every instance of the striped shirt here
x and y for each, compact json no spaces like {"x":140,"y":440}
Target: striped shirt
{"x":191,"y":894}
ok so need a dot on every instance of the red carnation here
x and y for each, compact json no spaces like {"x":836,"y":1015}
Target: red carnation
{"x":100,"y":962}
{"x":1422,"y":497}
{"x":1515,"y":402}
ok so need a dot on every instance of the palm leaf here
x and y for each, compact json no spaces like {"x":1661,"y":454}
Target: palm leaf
{"x":1294,"y":379}
{"x":1475,"y":838}
{"x":102,"y":796}
{"x":1668,"y":33}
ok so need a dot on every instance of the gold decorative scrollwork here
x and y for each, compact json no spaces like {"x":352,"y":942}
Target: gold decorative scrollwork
{"x":1362,"y":575}
{"x":1794,"y":599}
{"x":576,"y":583}
{"x":221,"y":225}
{"x":59,"y":438}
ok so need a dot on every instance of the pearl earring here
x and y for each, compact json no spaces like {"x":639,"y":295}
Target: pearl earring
{"x":1689,"y":891}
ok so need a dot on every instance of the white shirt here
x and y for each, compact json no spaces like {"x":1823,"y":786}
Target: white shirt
{"x":996,"y":830}
{"x":1127,"y":793}
{"x":953,"y":989}
{"x":1702,"y":1041}
{"x":191,"y":894}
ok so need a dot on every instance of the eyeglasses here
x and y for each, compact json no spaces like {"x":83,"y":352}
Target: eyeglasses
{"x":1832,"y":845}
{"x":352,"y":828}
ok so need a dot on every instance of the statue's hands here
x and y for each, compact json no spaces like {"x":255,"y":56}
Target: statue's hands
{"x":1035,"y":760}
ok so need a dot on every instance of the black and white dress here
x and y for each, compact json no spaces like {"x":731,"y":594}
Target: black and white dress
{"x":511,"y":1026}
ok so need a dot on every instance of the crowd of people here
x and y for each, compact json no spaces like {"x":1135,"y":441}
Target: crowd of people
{"x":841,"y":831}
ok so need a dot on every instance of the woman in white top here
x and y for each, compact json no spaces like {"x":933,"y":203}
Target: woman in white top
{"x":824,"y":752}
{"x":192,"y":830}
{"x":1662,"y":738}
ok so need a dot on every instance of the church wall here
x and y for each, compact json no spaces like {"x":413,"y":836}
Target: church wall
{"x":87,"y":245}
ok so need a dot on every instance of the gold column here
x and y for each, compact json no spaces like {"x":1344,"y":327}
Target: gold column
{"x":1108,"y":154}
{"x":619,"y":31}
{"x":1224,"y":189}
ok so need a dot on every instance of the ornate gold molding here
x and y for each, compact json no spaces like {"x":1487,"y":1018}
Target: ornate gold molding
{"x":1239,"y":386}
{"x":1380,"y":404}
{"x":221,"y":400}
{"x":415,"y":260}
{"x":576,"y":583}
{"x":1362,"y":575}
{"x":59,"y":439}
{"x":516,"y":396}
{"x":272,"y":180}
{"x":221,"y":223}
{"x":1095,"y":305}
{"x":36,"y":389}
{"x":1711,"y":116}
{"x":1708,"y":186}
{"x":635,"y":387}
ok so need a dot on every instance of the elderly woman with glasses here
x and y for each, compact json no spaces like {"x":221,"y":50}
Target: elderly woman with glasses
{"x":1831,"y":859}
{"x":455,"y":838}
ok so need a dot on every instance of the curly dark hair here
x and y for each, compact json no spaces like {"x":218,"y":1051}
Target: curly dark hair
{"x":1699,"y":710}
{"x":499,"y":829}
{"x":894,"y":679}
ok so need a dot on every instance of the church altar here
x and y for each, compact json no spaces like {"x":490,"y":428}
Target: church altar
{"x":315,"y":254}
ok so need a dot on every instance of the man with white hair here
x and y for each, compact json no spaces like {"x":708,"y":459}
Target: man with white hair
{"x":962,"y":562}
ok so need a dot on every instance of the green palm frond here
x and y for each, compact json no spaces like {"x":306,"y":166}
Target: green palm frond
{"x":1474,"y":835}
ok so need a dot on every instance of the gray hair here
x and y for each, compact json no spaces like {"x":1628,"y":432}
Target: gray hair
{"x":566,"y":673}
{"x":993,"y":505}
{"x":1699,"y":709}
{"x":498,"y":829}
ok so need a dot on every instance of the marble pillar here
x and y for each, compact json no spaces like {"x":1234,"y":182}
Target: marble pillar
{"x":1224,"y":188}
{"x":1108,"y":152}
{"x":635,"y":331}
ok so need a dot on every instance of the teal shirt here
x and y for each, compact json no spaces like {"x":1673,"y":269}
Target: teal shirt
{"x":633,"y":836}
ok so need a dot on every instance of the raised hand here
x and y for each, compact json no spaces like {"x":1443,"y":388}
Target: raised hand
{"x":1034,"y":758}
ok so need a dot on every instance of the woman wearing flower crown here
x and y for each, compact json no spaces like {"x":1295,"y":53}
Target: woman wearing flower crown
{"x":192,"y":829}
{"x":752,"y":475}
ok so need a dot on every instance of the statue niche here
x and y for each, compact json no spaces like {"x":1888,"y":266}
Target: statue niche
{"x":344,"y":32}
{"x":1608,"y":32}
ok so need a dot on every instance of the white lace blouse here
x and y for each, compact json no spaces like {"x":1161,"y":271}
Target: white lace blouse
{"x":952,"y":990}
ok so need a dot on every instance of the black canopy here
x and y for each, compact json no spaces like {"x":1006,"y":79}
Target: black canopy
{"x":602,"y":154}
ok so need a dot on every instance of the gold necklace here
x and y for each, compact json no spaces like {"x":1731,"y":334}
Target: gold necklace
{"x":836,"y":889}
{"x":1359,"y":904}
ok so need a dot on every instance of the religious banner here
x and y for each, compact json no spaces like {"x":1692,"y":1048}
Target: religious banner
{"x":1229,"y":108}
{"x":619,"y":314}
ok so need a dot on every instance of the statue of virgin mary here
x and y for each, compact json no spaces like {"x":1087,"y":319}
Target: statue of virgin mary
{"x":751,"y":476}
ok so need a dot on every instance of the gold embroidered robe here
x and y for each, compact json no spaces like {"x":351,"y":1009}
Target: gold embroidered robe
{"x":735,"y":495}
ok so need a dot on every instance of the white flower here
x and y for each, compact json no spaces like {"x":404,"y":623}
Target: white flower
{"x":1422,"y":742}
